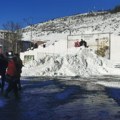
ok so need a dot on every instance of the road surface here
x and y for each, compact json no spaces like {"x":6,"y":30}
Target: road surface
{"x":44,"y":98}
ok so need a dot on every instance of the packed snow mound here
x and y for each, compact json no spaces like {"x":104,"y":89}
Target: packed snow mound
{"x":83,"y":62}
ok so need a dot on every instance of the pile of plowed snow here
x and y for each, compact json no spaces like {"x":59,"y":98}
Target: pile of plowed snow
{"x":83,"y":62}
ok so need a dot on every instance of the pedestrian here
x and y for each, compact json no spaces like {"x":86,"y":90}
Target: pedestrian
{"x":3,"y":66}
{"x":83,"y":43}
{"x":11,"y":76}
{"x":19,"y":66}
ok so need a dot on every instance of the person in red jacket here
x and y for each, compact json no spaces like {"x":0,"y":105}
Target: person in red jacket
{"x":11,"y":69}
{"x":11,"y":76}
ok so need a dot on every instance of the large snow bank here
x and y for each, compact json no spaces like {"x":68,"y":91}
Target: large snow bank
{"x":78,"y":62}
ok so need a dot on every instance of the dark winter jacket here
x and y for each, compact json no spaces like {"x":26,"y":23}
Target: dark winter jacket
{"x":83,"y":43}
{"x":3,"y":64}
{"x":19,"y":64}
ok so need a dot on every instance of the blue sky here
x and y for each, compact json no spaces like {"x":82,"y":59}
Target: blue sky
{"x":43,"y":10}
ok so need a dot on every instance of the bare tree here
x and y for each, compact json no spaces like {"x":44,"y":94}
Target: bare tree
{"x":29,"y":21}
{"x":13,"y":34}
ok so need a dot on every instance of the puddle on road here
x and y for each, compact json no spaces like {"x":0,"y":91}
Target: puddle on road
{"x":66,"y":93}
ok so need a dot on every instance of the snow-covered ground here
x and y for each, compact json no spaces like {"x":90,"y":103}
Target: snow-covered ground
{"x":78,"y":62}
{"x":57,"y":60}
{"x":81,"y":62}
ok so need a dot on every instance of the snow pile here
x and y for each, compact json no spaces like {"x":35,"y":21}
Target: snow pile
{"x":82,"y":62}
{"x":109,"y":84}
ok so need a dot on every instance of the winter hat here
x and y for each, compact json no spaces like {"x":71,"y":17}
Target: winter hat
{"x":10,"y":54}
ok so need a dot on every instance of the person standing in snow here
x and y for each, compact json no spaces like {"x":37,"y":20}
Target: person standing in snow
{"x":19,"y":65}
{"x":83,"y":43}
{"x":11,"y":76}
{"x":3,"y":66}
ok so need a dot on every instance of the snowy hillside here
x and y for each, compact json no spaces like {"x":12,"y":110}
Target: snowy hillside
{"x":96,"y":22}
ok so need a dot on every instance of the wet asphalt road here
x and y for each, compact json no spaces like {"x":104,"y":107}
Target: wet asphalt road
{"x":61,"y":99}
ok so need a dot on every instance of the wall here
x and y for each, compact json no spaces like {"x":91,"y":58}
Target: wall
{"x":115,"y":48}
{"x":61,"y":48}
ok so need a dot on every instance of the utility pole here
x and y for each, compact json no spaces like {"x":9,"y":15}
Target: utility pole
{"x":31,"y":30}
{"x":29,"y":22}
{"x":69,"y":27}
{"x":109,"y":45}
